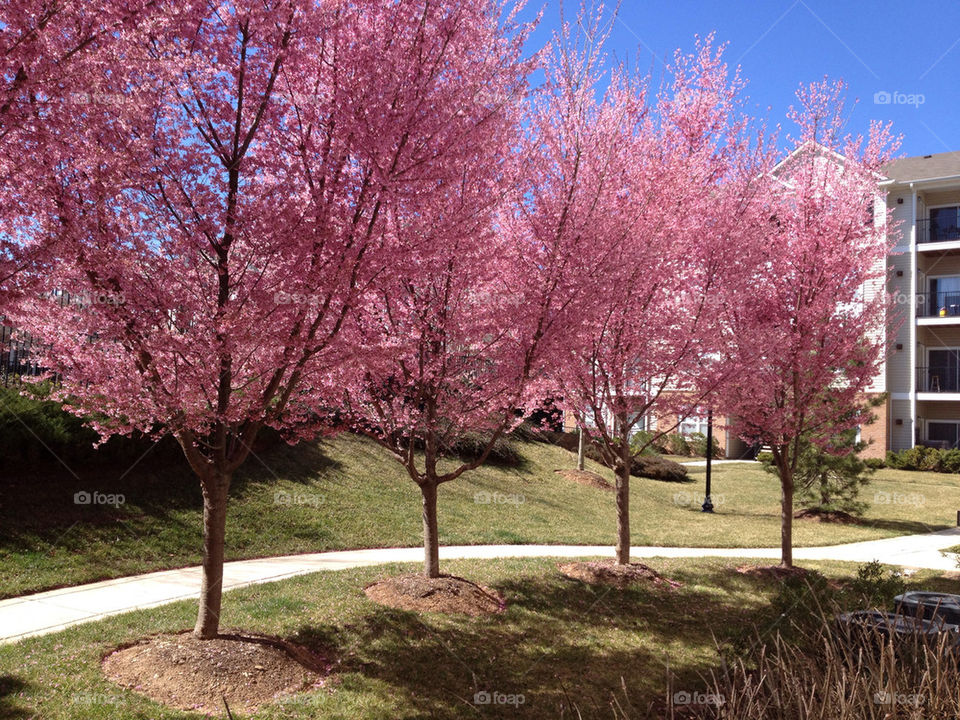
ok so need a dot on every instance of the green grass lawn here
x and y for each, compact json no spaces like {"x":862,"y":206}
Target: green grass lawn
{"x":559,"y":643}
{"x":346,"y":492}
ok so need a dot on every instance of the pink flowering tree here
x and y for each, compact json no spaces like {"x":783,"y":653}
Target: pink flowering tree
{"x":446,"y":349}
{"x":808,"y":338}
{"x":47,"y":50}
{"x":455,"y":341}
{"x":219,"y":223}
{"x":657,"y":186}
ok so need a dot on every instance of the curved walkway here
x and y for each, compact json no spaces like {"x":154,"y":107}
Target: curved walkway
{"x":48,"y":612}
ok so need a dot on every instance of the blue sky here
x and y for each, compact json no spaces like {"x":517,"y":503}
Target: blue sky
{"x":906,"y":52}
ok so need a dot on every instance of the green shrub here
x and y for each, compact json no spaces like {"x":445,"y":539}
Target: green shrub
{"x":677,"y":445}
{"x":651,"y":444}
{"x":658,"y":468}
{"x":875,"y":586}
{"x":35,"y":429}
{"x":32,"y":425}
{"x":697,"y":443}
{"x":925,"y":459}
{"x":950,"y":461}
{"x":471,"y":445}
{"x":653,"y":466}
{"x":875,"y":463}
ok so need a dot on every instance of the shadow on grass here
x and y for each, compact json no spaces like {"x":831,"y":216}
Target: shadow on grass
{"x":10,"y":686}
{"x":560,"y":643}
{"x":901,"y":527}
{"x":42,"y":505}
{"x":301,"y":464}
{"x":906,"y":527}
{"x":42,"y":516}
{"x":687,"y":480}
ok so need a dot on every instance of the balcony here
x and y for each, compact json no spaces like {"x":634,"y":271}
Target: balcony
{"x":939,"y":381}
{"x":945,"y":304}
{"x":933,"y":235}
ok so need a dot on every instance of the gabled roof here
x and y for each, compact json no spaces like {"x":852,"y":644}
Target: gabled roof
{"x":924,"y":167}
{"x":806,"y":147}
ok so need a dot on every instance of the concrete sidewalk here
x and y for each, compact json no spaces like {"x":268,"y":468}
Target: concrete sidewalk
{"x":48,"y":612}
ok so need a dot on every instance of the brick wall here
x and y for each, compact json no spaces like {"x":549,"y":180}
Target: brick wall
{"x":877,"y":432}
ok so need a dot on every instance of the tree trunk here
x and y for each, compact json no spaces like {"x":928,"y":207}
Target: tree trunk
{"x":624,"y":465}
{"x":623,"y":514}
{"x":215,"y":491}
{"x":580,"y":449}
{"x":786,"y":517}
{"x":431,"y":538}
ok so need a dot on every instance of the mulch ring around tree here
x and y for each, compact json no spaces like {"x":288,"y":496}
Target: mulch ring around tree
{"x":826,"y":516}
{"x":182,"y":672}
{"x":772,"y":572}
{"x":585,"y":477}
{"x":607,"y":572}
{"x":445,"y":594}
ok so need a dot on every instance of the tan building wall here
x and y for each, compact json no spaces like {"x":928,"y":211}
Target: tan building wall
{"x":901,"y":433}
{"x":898,"y":358}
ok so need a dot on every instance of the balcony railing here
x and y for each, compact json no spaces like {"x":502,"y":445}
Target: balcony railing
{"x":938,"y":379}
{"x":17,"y":357}
{"x":932,"y":233}
{"x":939,"y":304}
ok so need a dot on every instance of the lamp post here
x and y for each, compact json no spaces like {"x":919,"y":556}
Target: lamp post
{"x":707,"y":504}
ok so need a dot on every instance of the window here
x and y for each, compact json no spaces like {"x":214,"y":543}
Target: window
{"x":945,"y":223}
{"x":947,"y":431}
{"x":943,"y":375}
{"x":694,"y":424}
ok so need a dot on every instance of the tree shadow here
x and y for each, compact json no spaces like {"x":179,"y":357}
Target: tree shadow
{"x":47,"y":510}
{"x":906,"y":527}
{"x":300,"y":463}
{"x":10,"y":709}
{"x":560,"y":643}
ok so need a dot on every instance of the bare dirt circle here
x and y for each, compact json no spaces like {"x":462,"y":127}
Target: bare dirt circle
{"x":180,"y":671}
{"x":585,"y":477}
{"x":607,"y":572}
{"x":445,"y":594}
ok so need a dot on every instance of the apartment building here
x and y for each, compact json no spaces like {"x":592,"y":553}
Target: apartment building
{"x":923,"y":361}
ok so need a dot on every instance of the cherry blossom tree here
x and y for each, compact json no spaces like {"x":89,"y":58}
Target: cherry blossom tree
{"x":659,"y":186}
{"x":809,"y":336}
{"x":446,"y":348}
{"x":220,"y":221}
{"x":47,"y":49}
{"x":455,"y":342}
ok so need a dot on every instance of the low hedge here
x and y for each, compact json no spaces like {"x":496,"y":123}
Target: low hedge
{"x":653,"y":467}
{"x":926,"y":459}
